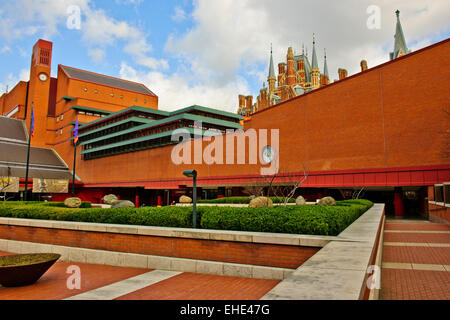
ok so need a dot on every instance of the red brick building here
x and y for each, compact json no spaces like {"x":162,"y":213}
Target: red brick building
{"x":383,"y":131}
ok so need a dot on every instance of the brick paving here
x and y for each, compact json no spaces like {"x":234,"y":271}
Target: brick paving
{"x":403,"y":280}
{"x":185,"y":286}
{"x":52,"y":285}
{"x":192,"y":286}
{"x":417,"y":237}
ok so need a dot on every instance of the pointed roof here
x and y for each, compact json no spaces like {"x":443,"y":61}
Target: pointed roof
{"x":400,"y":42}
{"x":315,"y":65}
{"x":271,"y":68}
{"x":325,"y":67}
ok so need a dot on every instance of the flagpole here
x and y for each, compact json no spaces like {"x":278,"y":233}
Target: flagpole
{"x":75,"y":141}
{"x":25,"y":198}
{"x":74,"y":163}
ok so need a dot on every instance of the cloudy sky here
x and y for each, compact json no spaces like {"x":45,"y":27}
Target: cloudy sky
{"x":208,"y":51}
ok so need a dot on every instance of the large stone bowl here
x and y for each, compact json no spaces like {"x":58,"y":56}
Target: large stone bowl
{"x":25,"y":269}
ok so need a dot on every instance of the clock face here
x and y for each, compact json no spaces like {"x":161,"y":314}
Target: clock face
{"x":267,"y":154}
{"x":43,"y":77}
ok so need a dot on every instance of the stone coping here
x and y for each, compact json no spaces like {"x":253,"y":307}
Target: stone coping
{"x":203,"y":234}
{"x":339,"y":271}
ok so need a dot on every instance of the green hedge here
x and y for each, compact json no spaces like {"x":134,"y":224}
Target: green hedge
{"x":84,"y":204}
{"x":147,"y":216}
{"x":240,"y":200}
{"x":308,"y":219}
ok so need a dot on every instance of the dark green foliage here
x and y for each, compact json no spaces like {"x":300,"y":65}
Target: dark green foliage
{"x":307,"y":219}
{"x":240,"y":200}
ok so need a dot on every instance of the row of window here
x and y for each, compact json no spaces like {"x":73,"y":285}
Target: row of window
{"x":112,"y":94}
{"x":130,"y":148}
{"x":91,"y":114}
{"x":442,"y":193}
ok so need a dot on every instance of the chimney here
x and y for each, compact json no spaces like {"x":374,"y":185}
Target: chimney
{"x":241,"y":103}
{"x":342,"y":73}
{"x":281,"y":68}
{"x":363,"y":65}
{"x":248,"y":104}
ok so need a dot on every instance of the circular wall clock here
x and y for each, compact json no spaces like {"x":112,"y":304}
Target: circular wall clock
{"x":268,"y":154}
{"x":43,"y":77}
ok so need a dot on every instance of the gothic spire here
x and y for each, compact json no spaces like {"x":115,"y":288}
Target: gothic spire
{"x":325,"y":67}
{"x":271,"y":68}
{"x":400,"y":47}
{"x":315,"y":65}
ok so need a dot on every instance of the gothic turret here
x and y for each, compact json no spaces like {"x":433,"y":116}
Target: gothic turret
{"x":271,"y":79}
{"x":400,"y":47}
{"x":315,"y":72}
{"x":290,"y":68}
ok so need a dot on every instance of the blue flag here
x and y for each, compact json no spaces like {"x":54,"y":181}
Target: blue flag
{"x":75,"y":132}
{"x":32,"y":121}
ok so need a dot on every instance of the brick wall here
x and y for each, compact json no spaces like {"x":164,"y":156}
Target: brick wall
{"x":282,"y":256}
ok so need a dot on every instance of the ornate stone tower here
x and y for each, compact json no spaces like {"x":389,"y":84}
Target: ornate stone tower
{"x":315,"y":72}
{"x":290,"y":68}
{"x":400,"y":47}
{"x":271,"y":79}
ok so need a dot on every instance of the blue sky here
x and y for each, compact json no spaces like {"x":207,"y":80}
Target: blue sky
{"x":207,"y":51}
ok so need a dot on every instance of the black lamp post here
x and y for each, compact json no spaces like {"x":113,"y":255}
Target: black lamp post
{"x":193,"y":174}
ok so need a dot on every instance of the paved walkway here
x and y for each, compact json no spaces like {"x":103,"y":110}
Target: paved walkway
{"x":416,"y":261}
{"x":100,"y":282}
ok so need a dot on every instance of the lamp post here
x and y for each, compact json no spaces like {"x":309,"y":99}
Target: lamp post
{"x":193,"y":174}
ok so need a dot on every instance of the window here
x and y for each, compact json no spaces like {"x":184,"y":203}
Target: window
{"x":121,"y":96}
{"x":62,"y":117}
{"x":447,"y":193}
{"x":95,"y":91}
{"x":112,"y":94}
{"x":61,"y":132}
{"x":57,"y":118}
{"x":439,"y":192}
{"x":85,"y":89}
{"x":145,"y":100}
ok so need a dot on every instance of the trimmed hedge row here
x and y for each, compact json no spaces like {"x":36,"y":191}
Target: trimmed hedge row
{"x":308,"y":219}
{"x":240,"y":200}
{"x":148,"y":216}
{"x":84,"y":204}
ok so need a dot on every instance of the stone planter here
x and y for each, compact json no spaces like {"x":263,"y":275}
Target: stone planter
{"x":25,"y":269}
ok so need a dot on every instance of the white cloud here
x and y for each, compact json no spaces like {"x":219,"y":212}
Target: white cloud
{"x":179,"y":14}
{"x":97,"y":55}
{"x":129,"y":2}
{"x":98,"y":30}
{"x":12,"y":80}
{"x":176,"y":91}
{"x":238,"y":33}
{"x":5,"y":49}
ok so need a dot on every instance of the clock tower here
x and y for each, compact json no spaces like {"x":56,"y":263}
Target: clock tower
{"x":39,"y":90}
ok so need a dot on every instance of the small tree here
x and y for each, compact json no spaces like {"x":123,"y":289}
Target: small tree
{"x":284,"y":190}
{"x":5,"y":183}
{"x":254,"y":190}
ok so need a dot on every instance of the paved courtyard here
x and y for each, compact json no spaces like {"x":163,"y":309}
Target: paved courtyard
{"x":416,"y":261}
{"x":108,"y":283}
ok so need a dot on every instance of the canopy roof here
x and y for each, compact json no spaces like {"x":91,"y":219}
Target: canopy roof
{"x":44,"y":163}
